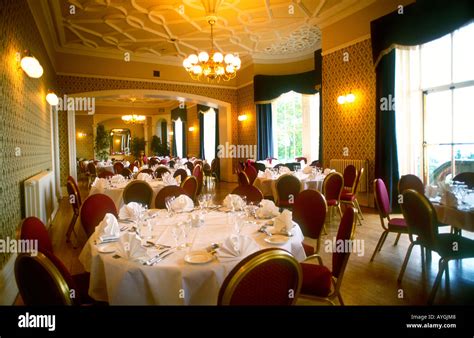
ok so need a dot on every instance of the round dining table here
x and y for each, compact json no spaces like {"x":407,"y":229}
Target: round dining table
{"x":175,"y":280}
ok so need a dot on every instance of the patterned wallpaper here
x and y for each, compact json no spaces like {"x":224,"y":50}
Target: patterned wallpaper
{"x":192,"y":137}
{"x":350,"y":125}
{"x":247,"y":130}
{"x":84,"y":145}
{"x":24,"y":113}
{"x":63,"y":147}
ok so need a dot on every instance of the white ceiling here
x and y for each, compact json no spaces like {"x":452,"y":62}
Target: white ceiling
{"x":169,"y":30}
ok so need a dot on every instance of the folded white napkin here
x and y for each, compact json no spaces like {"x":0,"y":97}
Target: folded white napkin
{"x":144,"y":177}
{"x":308,"y":170}
{"x":182,"y":203}
{"x":234,"y":202}
{"x":449,"y":199}
{"x":168,"y":179}
{"x":236,"y":247}
{"x":267,"y":209}
{"x":130,"y":247}
{"x":284,"y":170}
{"x":131,"y":210}
{"x":145,"y":166}
{"x":108,"y":228}
{"x":126,"y":164}
{"x":100,"y":184}
{"x":284,"y":222}
{"x":327,"y":171}
{"x":116,"y":179}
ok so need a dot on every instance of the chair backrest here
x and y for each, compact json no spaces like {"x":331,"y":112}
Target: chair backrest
{"x":259,"y":166}
{"x":147,"y":171}
{"x":332,"y":186}
{"x":198,"y":162}
{"x":420,"y":216}
{"x":287,"y":187}
{"x":381,"y":197}
{"x":345,"y":234}
{"x":73,"y":198}
{"x":127,"y":172}
{"x":190,"y":166}
{"x":170,"y":190}
{"x":207,"y":168}
{"x":76,"y":186}
{"x":181,"y":172}
{"x":118,"y":167}
{"x":410,"y":182}
{"x":105,"y":174}
{"x":160,"y":171}
{"x":253,"y":194}
{"x":355,"y":187}
{"x":215,"y":165}
{"x":91,"y":168}
{"x":309,"y":211}
{"x":293,"y":165}
{"x":153,"y":161}
{"x":264,"y":278}
{"x":301,"y":158}
{"x":197,"y":172}
{"x":467,"y":178}
{"x":171,"y":164}
{"x":251,"y":173}
{"x":138,"y":191}
{"x":93,"y":211}
{"x":242,"y":178}
{"x":350,"y":175}
{"x":32,"y":228}
{"x":40,"y":282}
{"x":316,"y":163}
{"x":190,"y":186}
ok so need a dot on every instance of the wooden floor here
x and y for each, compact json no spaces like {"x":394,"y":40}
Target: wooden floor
{"x":365,"y":282}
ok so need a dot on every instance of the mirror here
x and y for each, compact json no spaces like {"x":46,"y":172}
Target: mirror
{"x":120,"y":142}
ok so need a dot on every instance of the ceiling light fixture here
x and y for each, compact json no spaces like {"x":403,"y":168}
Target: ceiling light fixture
{"x":133,"y":118}
{"x":213,"y":66}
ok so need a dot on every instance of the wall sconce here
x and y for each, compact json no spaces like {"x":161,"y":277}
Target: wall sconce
{"x":31,"y":65}
{"x":171,"y":133}
{"x":349,"y":98}
{"x":81,"y":135}
{"x":242,"y":117}
{"x":52,"y":98}
{"x":191,"y":129}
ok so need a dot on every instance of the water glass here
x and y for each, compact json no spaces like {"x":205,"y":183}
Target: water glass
{"x":177,"y":231}
{"x":169,"y":205}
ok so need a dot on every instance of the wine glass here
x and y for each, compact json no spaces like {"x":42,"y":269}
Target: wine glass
{"x":169,"y":205}
{"x":202,"y":201}
{"x":178,"y":232}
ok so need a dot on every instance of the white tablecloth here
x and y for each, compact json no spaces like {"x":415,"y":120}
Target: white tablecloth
{"x":116,"y":193}
{"x":268,"y":185}
{"x":172,"y":281}
{"x":462,"y":219}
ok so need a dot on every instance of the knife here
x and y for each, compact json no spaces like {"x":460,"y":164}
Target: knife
{"x":154,"y":259}
{"x":162,"y":257}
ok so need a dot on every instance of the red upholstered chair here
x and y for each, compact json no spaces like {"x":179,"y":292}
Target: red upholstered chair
{"x":251,"y":173}
{"x":395,"y":225}
{"x":301,"y":158}
{"x":350,"y":196}
{"x":253,"y":194}
{"x":316,"y":163}
{"x":332,"y":188}
{"x":91,"y":172}
{"x":422,"y":222}
{"x":410,"y":182}
{"x":270,"y":159}
{"x":170,"y":190}
{"x":127,"y":172}
{"x":105,"y":174}
{"x":259,"y":166}
{"x":350,"y":176}
{"x":153,"y":161}
{"x":318,"y":281}
{"x":148,"y":171}
{"x":32,"y":228}
{"x":287,"y":189}
{"x":190,"y":166}
{"x":138,"y":191}
{"x":263,"y":278}
{"x":118,"y":167}
{"x":93,"y":211}
{"x":215,"y":168}
{"x":466,"y":177}
{"x":190,"y":186}
{"x":171,"y":164}
{"x":74,"y":200}
{"x":182,"y":173}
{"x":160,"y":171}
{"x":76,"y":186}
{"x":242,"y":178}
{"x":309,"y":211}
{"x":197,"y":172}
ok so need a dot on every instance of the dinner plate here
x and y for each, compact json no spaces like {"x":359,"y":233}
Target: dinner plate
{"x":198,"y":257}
{"x":107,"y":248}
{"x":277,"y":239}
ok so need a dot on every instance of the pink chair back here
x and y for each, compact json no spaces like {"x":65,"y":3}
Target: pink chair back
{"x":309,"y":211}
{"x":242,"y":178}
{"x":381,"y":198}
{"x":350,"y":175}
{"x":344,"y":234}
{"x":332,"y":186}
{"x":170,"y":190}
{"x":253,"y":194}
{"x":32,"y":228}
{"x":197,"y":172}
{"x":190,"y":186}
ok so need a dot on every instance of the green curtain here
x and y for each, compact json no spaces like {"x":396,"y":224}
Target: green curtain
{"x":185,"y":132}
{"x":173,"y":145}
{"x":320,"y":129}
{"x":201,"y":135}
{"x":264,"y":131}
{"x":164,"y":132}
{"x":386,"y":159}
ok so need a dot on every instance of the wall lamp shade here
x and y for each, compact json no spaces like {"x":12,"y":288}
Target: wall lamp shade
{"x":341,"y":99}
{"x":31,"y":66}
{"x":191,"y":129}
{"x":242,"y":117}
{"x":52,"y":98}
{"x":349,"y":98}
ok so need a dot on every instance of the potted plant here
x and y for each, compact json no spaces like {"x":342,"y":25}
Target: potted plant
{"x":137,"y":146}
{"x":158,"y":147}
{"x":102,"y":143}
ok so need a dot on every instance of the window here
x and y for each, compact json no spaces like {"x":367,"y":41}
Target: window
{"x":295,"y":126}
{"x":209,"y":135}
{"x":435,"y":83}
{"x":178,"y":136}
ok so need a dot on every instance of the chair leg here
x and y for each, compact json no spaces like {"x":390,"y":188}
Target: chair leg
{"x":405,"y":262}
{"x":356,"y":202}
{"x":340,"y":211}
{"x":398,"y":237}
{"x":320,"y":260}
{"x":339,"y":296}
{"x":70,"y":229}
{"x":443,"y":264}
{"x":383,"y":240}
{"x":378,"y":244}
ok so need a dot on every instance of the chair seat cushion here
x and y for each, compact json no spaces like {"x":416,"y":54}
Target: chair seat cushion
{"x":398,"y":224}
{"x":347,"y":196}
{"x":308,"y":249}
{"x":316,"y":280}
{"x":332,"y":202}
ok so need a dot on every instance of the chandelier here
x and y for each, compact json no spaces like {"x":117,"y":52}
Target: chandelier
{"x":133,"y":118}
{"x":213,"y":66}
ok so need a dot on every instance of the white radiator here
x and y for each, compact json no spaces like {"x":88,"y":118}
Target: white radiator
{"x":40,"y":199}
{"x":340,"y":164}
